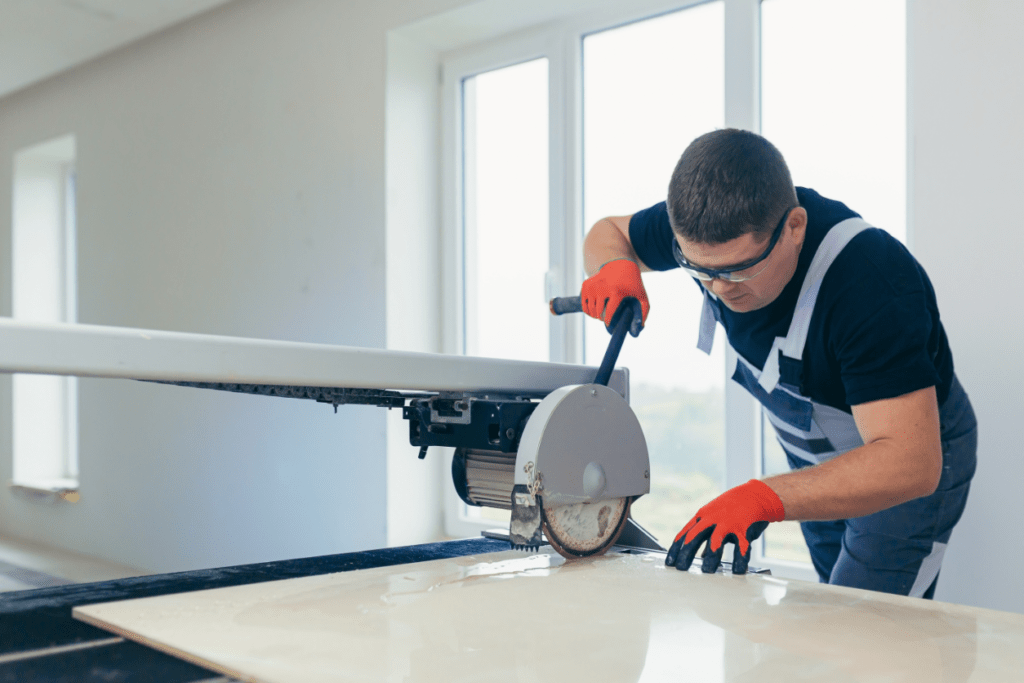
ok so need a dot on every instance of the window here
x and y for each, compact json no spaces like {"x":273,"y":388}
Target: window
{"x":840,"y":118}
{"x":612,"y":98}
{"x":505,"y":214}
{"x":845,"y":136}
{"x":43,"y":267}
{"x":629,"y":151}
{"x":504,"y":220}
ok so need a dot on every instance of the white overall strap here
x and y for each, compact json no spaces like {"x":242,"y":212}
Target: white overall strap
{"x":706,"y":333}
{"x":792,"y":346}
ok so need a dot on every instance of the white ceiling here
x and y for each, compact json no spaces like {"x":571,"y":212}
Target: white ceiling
{"x":39,"y":38}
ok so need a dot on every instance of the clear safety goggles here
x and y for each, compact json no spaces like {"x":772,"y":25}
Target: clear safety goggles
{"x":738,"y":273}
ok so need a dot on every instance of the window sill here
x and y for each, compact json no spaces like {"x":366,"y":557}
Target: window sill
{"x":50,"y":492}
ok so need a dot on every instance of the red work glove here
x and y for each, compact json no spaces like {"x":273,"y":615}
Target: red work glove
{"x":602,"y":293}
{"x":737,"y":516}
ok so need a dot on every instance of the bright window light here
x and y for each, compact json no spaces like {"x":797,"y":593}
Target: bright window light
{"x":834,"y":103}
{"x":649,"y":89}
{"x":833,"y":100}
{"x":505,"y":231}
{"x":505,"y":171}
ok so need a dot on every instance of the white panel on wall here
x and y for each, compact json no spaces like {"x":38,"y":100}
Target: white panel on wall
{"x":966,"y":105}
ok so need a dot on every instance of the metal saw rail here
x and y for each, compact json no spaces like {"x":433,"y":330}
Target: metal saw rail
{"x":323,"y":372}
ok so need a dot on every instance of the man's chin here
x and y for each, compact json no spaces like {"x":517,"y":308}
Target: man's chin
{"x":740,"y":304}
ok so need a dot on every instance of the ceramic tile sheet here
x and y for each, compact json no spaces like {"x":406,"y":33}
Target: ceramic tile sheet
{"x":510,"y":617}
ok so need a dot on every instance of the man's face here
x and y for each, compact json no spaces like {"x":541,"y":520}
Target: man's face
{"x":778,"y":267}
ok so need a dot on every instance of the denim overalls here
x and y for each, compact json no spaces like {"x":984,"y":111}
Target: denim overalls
{"x":898,"y":550}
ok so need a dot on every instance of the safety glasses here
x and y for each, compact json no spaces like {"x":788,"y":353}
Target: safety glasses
{"x":737,"y":273}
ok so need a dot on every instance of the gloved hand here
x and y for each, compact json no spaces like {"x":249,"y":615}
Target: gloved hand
{"x":738,"y":516}
{"x":602,"y":293}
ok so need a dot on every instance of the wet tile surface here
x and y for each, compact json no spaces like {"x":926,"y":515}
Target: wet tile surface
{"x":506,"y":616}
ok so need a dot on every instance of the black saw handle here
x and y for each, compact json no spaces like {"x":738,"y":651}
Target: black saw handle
{"x":561,"y":305}
{"x":628,"y":318}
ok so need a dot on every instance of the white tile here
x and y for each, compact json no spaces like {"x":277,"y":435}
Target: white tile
{"x":506,"y":617}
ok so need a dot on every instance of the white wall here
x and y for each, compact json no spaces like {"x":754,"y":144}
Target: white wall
{"x":231,"y":181}
{"x":966,"y":109}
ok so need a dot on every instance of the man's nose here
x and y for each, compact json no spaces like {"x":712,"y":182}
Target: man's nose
{"x":719,"y":286}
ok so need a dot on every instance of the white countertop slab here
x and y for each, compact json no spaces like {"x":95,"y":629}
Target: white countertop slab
{"x":511,"y":617}
{"x":122,"y":352}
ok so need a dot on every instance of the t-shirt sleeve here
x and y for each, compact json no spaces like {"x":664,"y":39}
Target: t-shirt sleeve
{"x":651,"y":237}
{"x":882,"y":323}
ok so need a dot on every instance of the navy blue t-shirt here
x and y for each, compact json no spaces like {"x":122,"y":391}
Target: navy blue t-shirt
{"x":875,"y":331}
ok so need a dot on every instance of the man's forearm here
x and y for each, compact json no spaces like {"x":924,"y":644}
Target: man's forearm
{"x":862,"y":482}
{"x":901,"y":460}
{"x":605,"y":242}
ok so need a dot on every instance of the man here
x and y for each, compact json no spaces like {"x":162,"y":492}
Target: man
{"x":837,"y":334}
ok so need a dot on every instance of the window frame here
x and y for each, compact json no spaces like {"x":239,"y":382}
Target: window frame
{"x":456,"y":67}
{"x":561,"y":42}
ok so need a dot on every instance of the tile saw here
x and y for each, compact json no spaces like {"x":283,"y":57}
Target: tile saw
{"x":565,"y":455}
{"x":568,"y":467}
{"x":579,"y":464}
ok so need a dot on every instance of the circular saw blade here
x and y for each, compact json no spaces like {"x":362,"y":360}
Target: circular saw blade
{"x":585,"y":529}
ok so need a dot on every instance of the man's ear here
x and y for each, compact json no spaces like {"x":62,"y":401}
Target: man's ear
{"x":797,"y":224}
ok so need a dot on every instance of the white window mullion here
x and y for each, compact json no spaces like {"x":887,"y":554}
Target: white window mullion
{"x":567,"y":192}
{"x":467,"y":226}
{"x":558,"y":210}
{"x":743,"y":64}
{"x":451,"y":209}
{"x":742,"y":110}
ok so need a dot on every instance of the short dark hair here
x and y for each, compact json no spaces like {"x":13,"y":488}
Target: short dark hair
{"x":728,"y":183}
